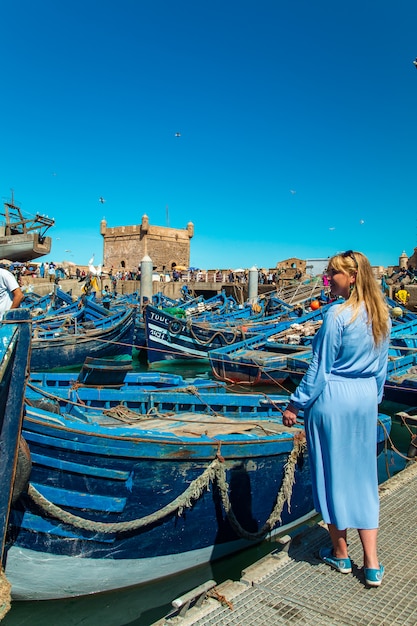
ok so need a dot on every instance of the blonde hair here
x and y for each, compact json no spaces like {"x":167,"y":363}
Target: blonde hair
{"x":365,"y":290}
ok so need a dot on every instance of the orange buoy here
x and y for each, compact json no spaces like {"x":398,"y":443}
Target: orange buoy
{"x":315,"y":304}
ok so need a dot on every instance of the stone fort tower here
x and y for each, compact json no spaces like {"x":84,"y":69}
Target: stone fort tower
{"x":125,"y":246}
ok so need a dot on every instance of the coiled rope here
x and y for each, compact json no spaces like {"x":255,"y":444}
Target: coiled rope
{"x":215,"y":472}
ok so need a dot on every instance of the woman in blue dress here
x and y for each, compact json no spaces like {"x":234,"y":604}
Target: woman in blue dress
{"x":339,"y":395}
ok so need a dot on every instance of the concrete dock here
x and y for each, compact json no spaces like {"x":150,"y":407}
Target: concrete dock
{"x":292,"y":586}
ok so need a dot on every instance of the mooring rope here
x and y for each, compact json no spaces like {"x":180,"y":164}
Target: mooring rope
{"x":283,"y":496}
{"x":214,"y":472}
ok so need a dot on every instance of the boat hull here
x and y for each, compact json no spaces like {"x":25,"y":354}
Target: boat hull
{"x":168,"y":337}
{"x":109,"y":338}
{"x":25,"y":247}
{"x":102,"y":477}
{"x":14,"y":351}
{"x":66,"y":576}
{"x":140,"y":479}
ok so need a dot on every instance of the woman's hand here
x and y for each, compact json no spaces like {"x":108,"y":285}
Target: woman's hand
{"x":289,"y":417}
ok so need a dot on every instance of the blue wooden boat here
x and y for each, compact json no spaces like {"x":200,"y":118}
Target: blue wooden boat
{"x":401,"y":383}
{"x":168,"y":337}
{"x":104,"y":372}
{"x":121,"y":380}
{"x":42,"y":305}
{"x":115,"y":503}
{"x":14,"y":357}
{"x":266,"y":358}
{"x":89,"y":403}
{"x":217,"y":306}
{"x":70,"y":344}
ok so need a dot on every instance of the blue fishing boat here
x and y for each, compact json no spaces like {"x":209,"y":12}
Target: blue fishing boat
{"x":266,"y":358}
{"x":69,"y":344}
{"x":168,"y":337}
{"x":401,"y":383}
{"x":115,"y":377}
{"x":119,"y":499}
{"x":14,"y":356}
{"x":104,"y":372}
{"x":90,"y":402}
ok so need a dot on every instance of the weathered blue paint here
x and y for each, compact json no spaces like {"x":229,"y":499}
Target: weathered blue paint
{"x":14,"y":356}
{"x":109,"y":336}
{"x":103,"y":470}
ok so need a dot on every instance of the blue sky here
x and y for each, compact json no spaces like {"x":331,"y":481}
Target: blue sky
{"x":270,"y":98}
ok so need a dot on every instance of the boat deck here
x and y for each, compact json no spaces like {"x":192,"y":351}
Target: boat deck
{"x":292,"y":586}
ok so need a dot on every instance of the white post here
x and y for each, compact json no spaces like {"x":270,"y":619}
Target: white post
{"x":253,"y":285}
{"x":146,"y":268}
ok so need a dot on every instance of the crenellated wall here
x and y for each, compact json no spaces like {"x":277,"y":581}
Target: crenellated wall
{"x":125,"y":246}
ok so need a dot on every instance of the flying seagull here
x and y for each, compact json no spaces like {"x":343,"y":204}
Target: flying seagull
{"x":177,"y":134}
{"x":292,"y":191}
{"x":101,"y":199}
{"x":415,"y":62}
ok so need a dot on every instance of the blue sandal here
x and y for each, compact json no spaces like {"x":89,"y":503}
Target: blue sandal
{"x":373,"y":577}
{"x":344,"y":566}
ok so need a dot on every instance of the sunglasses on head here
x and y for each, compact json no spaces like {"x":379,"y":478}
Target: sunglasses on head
{"x":350,"y":254}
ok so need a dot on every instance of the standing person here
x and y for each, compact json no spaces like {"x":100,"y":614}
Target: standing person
{"x":10,"y":293}
{"x":51,"y":272}
{"x":106,"y":297}
{"x":339,"y":394}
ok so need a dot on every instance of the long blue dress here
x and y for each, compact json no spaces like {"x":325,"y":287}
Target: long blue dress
{"x":339,"y":394}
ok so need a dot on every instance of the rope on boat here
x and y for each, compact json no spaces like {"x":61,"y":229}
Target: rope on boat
{"x":120,"y":411}
{"x":125,"y":414}
{"x":214,"y":472}
{"x":283,"y":496}
{"x":5,"y":595}
{"x":217,"y":333}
